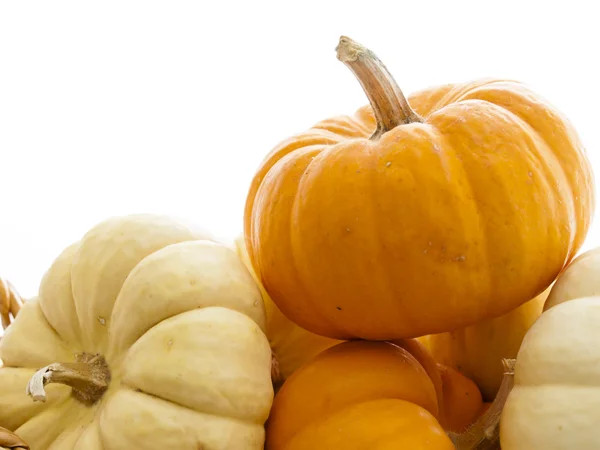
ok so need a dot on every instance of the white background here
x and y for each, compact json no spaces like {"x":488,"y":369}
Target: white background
{"x":117,"y":107}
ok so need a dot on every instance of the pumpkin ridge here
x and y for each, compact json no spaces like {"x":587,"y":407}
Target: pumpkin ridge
{"x":461,"y":90}
{"x":487,"y":248}
{"x":216,"y":398}
{"x":373,"y":215}
{"x":436,"y":140}
{"x":283,"y":166}
{"x":7,"y":339}
{"x":535,"y":149}
{"x":91,"y":412}
{"x":577,"y":156}
{"x":54,"y":330}
{"x":105,"y":258}
{"x":308,"y":297}
{"x":344,"y":127}
{"x":144,"y":280}
{"x":65,"y":403}
{"x":125,"y":386}
{"x":296,"y":239}
{"x":479,"y":198}
{"x":308,"y":138}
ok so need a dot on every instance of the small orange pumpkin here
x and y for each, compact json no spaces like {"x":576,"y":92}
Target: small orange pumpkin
{"x":422,"y":216}
{"x":358,"y":394}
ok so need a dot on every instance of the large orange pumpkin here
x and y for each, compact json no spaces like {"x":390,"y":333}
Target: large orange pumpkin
{"x":361,"y":394}
{"x":422,"y":216}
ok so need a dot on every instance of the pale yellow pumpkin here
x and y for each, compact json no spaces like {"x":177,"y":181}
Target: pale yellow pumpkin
{"x":477,"y":351}
{"x":580,"y":279}
{"x":163,"y":327}
{"x":292,"y":345}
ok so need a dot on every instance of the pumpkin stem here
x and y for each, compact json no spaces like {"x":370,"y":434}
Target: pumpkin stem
{"x":89,"y":377}
{"x":10,"y":440}
{"x":484,"y":434}
{"x":390,"y":107}
{"x":10,"y":303}
{"x":276,"y":375}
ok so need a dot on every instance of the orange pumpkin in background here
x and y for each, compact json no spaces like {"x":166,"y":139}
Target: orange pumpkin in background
{"x":477,"y":351}
{"x":422,"y":216}
{"x":361,"y":394}
{"x":292,"y":345}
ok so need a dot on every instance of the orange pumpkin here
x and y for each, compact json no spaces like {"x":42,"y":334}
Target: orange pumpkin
{"x":459,"y":398}
{"x":422,"y":216}
{"x":361,"y":394}
{"x":477,"y":351}
{"x":462,"y":399}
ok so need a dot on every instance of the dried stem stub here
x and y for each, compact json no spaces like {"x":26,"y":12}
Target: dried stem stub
{"x":89,"y":377}
{"x":484,"y":433}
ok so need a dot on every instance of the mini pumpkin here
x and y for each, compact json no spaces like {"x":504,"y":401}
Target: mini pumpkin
{"x":477,"y":351}
{"x":580,"y":279}
{"x":291,"y":344}
{"x":418,"y":216}
{"x":356,"y":395}
{"x":146,"y":334}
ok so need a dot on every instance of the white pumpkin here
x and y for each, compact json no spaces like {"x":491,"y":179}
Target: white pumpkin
{"x":580,"y":279}
{"x":159,"y":336}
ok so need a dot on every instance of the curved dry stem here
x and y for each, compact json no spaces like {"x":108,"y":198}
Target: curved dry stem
{"x":484,"y":433}
{"x":389,"y":104}
{"x":89,"y":377}
{"x":10,"y":440}
{"x":10,"y":303}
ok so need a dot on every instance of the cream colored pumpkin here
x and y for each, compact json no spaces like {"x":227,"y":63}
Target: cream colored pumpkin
{"x":167,"y":327}
{"x":580,"y":279}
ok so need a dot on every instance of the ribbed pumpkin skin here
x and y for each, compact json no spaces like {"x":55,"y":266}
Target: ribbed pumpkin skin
{"x":432,"y":227}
